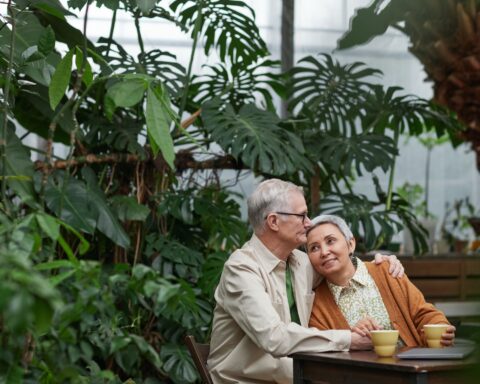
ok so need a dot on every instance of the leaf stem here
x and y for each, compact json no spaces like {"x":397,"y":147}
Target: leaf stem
{"x":6,"y":96}
{"x":141,"y":56}
{"x":196,"y":30}
{"x":388,"y":204}
{"x":427,"y":179}
{"x":110,"y":34}
{"x":76,"y":88}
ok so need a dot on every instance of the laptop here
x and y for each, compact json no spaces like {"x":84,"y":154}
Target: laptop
{"x":455,"y":352}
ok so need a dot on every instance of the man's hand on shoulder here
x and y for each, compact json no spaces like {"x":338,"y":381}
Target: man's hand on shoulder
{"x":396,"y":268}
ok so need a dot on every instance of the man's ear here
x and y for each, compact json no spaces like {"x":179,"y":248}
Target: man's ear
{"x":272,"y":222}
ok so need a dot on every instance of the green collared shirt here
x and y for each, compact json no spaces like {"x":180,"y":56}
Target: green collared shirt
{"x":291,"y":296}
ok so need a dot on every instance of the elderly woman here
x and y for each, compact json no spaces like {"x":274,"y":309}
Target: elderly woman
{"x":354,"y":295}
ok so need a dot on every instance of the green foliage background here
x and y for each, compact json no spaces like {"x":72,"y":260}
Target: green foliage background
{"x":110,"y":256}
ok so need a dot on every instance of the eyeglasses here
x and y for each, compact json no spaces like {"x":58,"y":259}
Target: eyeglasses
{"x":302,"y":215}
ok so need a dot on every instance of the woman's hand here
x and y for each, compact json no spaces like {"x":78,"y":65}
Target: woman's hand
{"x":365,"y":325}
{"x":448,"y":337}
{"x":396,"y":268}
{"x":360,"y":343}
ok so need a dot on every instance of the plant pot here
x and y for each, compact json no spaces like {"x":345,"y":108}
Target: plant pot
{"x":460,"y":246}
{"x":442,"y":246}
{"x":475,"y":223}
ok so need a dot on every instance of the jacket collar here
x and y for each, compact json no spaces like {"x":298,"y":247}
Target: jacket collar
{"x":266,"y":257}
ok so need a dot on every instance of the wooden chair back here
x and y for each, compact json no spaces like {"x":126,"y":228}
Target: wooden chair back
{"x":199,"y":353}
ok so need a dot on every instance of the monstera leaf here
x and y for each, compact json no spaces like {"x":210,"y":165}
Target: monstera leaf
{"x":254,"y":137}
{"x":171,"y":258}
{"x":373,"y":21}
{"x":107,"y":222}
{"x":121,"y":133}
{"x":385,"y":109}
{"x":178,"y":363}
{"x":227,"y":25}
{"x":329,"y":93}
{"x":406,"y":213}
{"x":18,"y":166}
{"x":68,"y":198}
{"x":212,"y":271}
{"x":157,"y":63}
{"x":341,"y":153}
{"x":239,"y":84}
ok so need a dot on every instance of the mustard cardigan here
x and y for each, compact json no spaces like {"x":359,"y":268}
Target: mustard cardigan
{"x":405,"y":304}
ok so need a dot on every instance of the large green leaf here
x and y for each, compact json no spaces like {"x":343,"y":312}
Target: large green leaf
{"x":341,"y":153}
{"x":46,"y":43}
{"x":127,"y":208}
{"x":219,"y":215}
{"x":31,"y":38}
{"x":178,"y":363}
{"x":18,"y":166}
{"x":60,"y":80}
{"x":239,"y":84}
{"x":146,"y":6}
{"x":158,"y":123}
{"x":87,"y":77}
{"x":372,"y":21}
{"x":254,"y":137}
{"x":32,"y":110}
{"x":64,"y":32}
{"x":212,"y":271}
{"x":228,"y":25}
{"x":28,"y":30}
{"x":127,"y":92}
{"x":49,"y":225}
{"x":107,"y":222}
{"x":172,"y":258}
{"x":121,"y":134}
{"x":156,"y":63}
{"x":385,"y":109}
{"x":329,"y":93}
{"x":69,"y":199}
{"x":51,"y":7}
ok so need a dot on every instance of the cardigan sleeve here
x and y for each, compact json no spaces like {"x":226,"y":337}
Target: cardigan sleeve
{"x":325,"y":312}
{"x":421,"y":312}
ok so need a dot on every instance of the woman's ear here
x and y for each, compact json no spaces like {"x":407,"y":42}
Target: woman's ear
{"x":351,"y":245}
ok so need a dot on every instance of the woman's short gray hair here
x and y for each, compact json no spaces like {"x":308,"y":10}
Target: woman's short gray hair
{"x":270,"y":196}
{"x":335,"y":220}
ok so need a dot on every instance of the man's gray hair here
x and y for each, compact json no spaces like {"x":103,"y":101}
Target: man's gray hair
{"x":270,"y":196}
{"x":335,"y":220}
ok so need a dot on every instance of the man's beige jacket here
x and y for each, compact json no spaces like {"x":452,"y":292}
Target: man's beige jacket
{"x":252,"y":332}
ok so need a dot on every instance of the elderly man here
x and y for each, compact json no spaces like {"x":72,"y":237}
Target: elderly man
{"x":264,"y":298}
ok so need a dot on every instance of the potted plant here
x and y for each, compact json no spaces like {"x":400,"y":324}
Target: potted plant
{"x":456,"y":227}
{"x":413,"y":193}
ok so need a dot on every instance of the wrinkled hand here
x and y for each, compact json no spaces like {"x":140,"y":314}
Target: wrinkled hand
{"x":365,"y":325}
{"x":448,"y":337}
{"x":360,"y":343}
{"x":396,"y":268}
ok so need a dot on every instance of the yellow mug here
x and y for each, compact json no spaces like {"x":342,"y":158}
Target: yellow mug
{"x":384,"y":342}
{"x":433,"y":334}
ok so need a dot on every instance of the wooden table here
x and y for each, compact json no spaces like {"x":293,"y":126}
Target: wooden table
{"x":364,"y":367}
